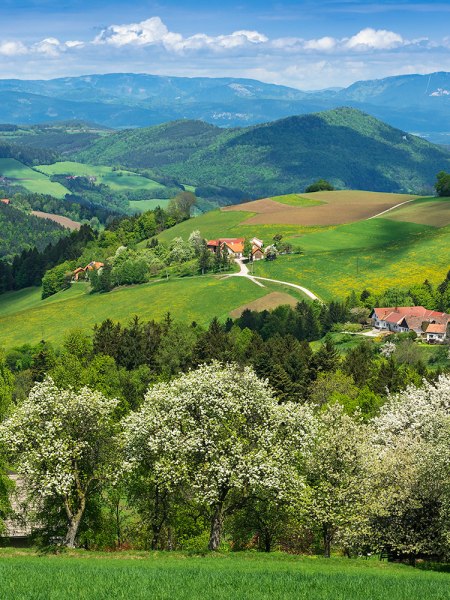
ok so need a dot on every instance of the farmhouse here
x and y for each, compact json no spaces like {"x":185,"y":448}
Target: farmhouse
{"x":430,"y":324}
{"x":81,"y":271}
{"x":234,"y":246}
{"x":5,"y":200}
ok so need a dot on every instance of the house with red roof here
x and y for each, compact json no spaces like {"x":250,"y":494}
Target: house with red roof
{"x":234,"y":246}
{"x":430,"y":324}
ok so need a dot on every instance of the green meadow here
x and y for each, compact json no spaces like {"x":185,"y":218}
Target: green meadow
{"x":24,"y":317}
{"x":30,"y":179}
{"x":240,"y":576}
{"x":116,"y":179}
{"x":144,"y":205}
{"x":375,"y":254}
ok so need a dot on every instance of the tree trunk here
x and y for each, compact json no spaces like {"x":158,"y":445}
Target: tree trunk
{"x":72,"y":530}
{"x":267,"y":541}
{"x":326,"y":532}
{"x":74,"y":521}
{"x":216,"y":527}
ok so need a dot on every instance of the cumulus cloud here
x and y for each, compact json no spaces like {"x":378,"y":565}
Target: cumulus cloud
{"x":375,"y":39}
{"x":297,"y":61}
{"x":154,"y":32}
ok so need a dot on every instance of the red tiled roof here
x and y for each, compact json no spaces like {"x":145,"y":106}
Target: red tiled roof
{"x":436,"y":328}
{"x":413,"y":315}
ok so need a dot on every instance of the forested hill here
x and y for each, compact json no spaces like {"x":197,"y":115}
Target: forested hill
{"x":349,"y":148}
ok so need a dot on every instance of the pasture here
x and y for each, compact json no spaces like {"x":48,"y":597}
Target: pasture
{"x":329,"y":208}
{"x":25,"y":318}
{"x":38,"y":183}
{"x":144,"y":205}
{"x":117,"y":179}
{"x":375,"y":255}
{"x":164,"y":576}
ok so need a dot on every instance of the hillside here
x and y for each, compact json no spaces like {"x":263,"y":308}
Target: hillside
{"x":22,"y":231}
{"x":349,"y":148}
{"x":415,"y":103}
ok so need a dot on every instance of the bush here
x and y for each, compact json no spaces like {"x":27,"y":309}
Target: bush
{"x":319,"y":185}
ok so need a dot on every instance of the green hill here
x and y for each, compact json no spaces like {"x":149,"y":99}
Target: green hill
{"x":349,"y":148}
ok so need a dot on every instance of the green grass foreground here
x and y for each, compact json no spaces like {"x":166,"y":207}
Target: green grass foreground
{"x":163,"y":576}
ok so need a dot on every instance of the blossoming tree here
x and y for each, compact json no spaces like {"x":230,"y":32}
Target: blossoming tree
{"x":62,"y":443}
{"x":218,"y":433}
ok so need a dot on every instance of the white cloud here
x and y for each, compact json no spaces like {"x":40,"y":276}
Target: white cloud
{"x":12,"y":48}
{"x":150,"y":46}
{"x":322,"y":44}
{"x":375,"y":39}
{"x":154,"y":32}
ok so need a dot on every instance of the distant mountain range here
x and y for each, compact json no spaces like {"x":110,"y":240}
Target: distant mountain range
{"x":415,"y":103}
{"x":349,"y":148}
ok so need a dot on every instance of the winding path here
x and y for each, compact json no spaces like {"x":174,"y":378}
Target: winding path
{"x":244,"y":272}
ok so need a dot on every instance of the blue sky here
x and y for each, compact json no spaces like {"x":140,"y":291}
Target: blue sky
{"x":306,"y":44}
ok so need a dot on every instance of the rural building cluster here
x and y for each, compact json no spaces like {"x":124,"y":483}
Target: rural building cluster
{"x":235,"y":247}
{"x":430,"y":325}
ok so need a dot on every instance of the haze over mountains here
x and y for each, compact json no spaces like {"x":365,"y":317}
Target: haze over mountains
{"x":415,"y":103}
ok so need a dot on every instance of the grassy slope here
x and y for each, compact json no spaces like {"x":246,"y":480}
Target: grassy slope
{"x":144,"y":205}
{"x":116,"y":180}
{"x":30,"y":179}
{"x":428,"y":211}
{"x":227,"y":224}
{"x":375,"y":254}
{"x":25,"y":318}
{"x":240,"y":576}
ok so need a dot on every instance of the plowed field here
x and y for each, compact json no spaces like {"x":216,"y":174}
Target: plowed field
{"x":336,"y":208}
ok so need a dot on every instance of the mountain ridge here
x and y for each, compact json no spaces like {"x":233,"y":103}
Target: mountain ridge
{"x":415,"y":103}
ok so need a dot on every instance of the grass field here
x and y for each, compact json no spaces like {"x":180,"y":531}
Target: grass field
{"x":238,"y":576}
{"x":427,"y":211}
{"x":25,"y":318}
{"x":143,"y":205}
{"x":375,"y":254}
{"x":30,"y":179}
{"x":296,"y":200}
{"x":116,"y":180}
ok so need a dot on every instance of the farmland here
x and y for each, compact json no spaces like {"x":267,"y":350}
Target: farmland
{"x":32,"y":180}
{"x":371,"y":255}
{"x":320,"y":208}
{"x":144,"y":205}
{"x":191,"y":299}
{"x":116,"y":179}
{"x":427,"y":211}
{"x":222,"y":576}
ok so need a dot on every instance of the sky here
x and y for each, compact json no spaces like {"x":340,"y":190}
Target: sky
{"x":304,"y":44}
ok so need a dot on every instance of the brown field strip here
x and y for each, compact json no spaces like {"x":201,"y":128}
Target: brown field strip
{"x":64,"y":221}
{"x":338,"y":208}
{"x":267,"y":302}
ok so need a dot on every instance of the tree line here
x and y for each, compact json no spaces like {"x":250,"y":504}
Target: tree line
{"x":212,"y":459}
